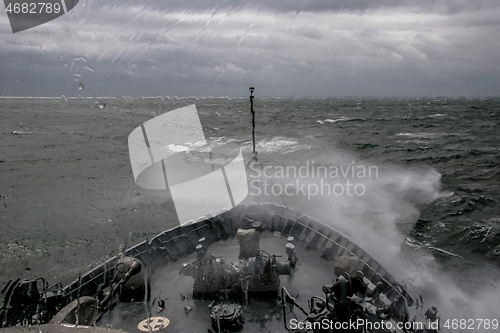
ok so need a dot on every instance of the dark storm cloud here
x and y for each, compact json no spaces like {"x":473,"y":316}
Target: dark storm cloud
{"x":286,"y":47}
{"x":449,"y":7}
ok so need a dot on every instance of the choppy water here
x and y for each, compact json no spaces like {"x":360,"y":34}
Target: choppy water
{"x":433,"y":203}
{"x":456,"y":137}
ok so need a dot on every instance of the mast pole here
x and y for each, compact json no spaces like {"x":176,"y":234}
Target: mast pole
{"x":251,"y":89}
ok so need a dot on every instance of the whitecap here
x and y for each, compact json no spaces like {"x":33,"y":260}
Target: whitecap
{"x":18,"y":132}
{"x":333,"y":121}
{"x":423,"y":135}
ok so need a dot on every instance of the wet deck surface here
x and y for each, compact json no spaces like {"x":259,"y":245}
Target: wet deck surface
{"x":306,"y":280}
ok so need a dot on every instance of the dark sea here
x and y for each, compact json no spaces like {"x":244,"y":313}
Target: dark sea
{"x":440,"y":154}
{"x":423,"y":197}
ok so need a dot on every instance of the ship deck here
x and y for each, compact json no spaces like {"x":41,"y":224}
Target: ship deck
{"x":306,"y":280}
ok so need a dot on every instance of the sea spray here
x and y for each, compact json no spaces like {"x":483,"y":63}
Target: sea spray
{"x":380,"y":221}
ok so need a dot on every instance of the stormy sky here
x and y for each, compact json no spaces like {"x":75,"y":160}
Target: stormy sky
{"x":283,"y":48}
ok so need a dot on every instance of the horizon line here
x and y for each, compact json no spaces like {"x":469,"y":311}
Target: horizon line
{"x":230,"y":97}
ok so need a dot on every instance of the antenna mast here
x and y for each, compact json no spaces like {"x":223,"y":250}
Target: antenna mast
{"x":252,"y":89}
